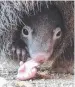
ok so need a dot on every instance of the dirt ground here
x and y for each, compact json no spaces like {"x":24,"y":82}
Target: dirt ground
{"x":8,"y":78}
{"x":56,"y":80}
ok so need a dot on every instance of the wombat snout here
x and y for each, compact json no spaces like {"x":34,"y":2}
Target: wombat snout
{"x":40,"y":57}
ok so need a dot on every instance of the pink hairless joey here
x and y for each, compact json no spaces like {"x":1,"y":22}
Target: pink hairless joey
{"x":27,"y":70}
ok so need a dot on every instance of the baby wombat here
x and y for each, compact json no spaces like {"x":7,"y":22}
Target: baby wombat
{"x":45,"y":37}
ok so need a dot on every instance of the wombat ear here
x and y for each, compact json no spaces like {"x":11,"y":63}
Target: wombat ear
{"x":57,"y":33}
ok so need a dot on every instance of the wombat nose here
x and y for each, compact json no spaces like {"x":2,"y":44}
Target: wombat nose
{"x":40,"y":58}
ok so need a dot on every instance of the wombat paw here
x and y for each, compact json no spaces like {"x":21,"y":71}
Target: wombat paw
{"x":18,"y":53}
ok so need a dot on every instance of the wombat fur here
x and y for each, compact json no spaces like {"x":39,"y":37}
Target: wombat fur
{"x":12,"y":19}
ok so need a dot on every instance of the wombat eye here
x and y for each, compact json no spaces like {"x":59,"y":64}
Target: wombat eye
{"x":57,"y":33}
{"x":25,"y":31}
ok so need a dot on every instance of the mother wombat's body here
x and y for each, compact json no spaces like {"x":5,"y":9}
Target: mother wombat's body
{"x":39,"y":28}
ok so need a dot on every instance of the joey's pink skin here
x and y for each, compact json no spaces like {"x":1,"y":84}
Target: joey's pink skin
{"x":27,"y":70}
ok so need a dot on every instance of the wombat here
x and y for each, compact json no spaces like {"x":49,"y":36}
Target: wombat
{"x":42,"y":32}
{"x":44,"y":36}
{"x":38,"y":30}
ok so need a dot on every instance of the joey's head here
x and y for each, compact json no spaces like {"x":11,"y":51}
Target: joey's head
{"x":42,"y":33}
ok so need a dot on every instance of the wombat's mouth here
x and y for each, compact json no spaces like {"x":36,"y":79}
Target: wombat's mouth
{"x":41,"y":57}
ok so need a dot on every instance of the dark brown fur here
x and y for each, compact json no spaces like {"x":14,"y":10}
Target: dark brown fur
{"x":62,"y":62}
